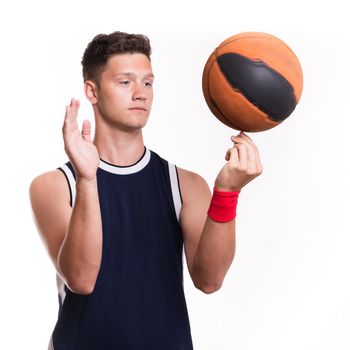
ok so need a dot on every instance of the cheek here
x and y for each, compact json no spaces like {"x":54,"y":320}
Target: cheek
{"x":150,"y":96}
{"x":115,"y":97}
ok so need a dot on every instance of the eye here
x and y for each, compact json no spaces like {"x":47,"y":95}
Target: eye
{"x":124,"y":82}
{"x":148,"y":83}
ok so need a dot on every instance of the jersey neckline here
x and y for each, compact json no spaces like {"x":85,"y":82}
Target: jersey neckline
{"x":128,"y":169}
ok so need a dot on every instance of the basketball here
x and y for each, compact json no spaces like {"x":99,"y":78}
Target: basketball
{"x":252,"y":81}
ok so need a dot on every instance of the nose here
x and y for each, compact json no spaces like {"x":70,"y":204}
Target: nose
{"x":139,"y":92}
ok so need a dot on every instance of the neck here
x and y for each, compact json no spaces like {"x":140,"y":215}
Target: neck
{"x":119,"y":147}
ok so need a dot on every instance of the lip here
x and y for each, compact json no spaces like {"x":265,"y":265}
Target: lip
{"x":137,"y":109}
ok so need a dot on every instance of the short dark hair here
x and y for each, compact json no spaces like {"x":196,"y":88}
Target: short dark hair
{"x":103,"y":46}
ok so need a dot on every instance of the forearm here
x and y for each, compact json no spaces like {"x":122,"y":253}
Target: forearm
{"x":214,"y":254}
{"x":80,"y":254}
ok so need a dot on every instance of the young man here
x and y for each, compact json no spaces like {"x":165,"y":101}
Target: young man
{"x":116,"y":233}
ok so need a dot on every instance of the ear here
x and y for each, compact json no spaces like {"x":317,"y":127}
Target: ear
{"x":90,"y":89}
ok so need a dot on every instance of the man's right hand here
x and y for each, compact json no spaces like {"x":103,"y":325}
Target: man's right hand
{"x":81,"y":151}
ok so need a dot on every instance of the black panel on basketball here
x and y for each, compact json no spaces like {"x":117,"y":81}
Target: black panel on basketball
{"x":260,"y":84}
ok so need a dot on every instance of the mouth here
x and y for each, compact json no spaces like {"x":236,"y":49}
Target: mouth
{"x":142,"y":109}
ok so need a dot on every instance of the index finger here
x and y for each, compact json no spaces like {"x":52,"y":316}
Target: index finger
{"x":242,"y":136}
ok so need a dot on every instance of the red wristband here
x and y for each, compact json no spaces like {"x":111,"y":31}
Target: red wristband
{"x":223,"y":205}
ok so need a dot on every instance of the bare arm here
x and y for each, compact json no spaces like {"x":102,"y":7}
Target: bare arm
{"x":73,"y":237}
{"x":210,"y":245}
{"x":80,"y":254}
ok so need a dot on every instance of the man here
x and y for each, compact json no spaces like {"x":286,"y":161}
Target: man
{"x":116,"y":233}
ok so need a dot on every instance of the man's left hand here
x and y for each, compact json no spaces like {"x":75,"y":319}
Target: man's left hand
{"x":243,"y":164}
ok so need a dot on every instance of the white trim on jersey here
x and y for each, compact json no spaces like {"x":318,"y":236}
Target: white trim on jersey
{"x":127,"y":169}
{"x":175,"y":189}
{"x":71,"y":181}
{"x":51,"y":344}
{"x":60,"y":288}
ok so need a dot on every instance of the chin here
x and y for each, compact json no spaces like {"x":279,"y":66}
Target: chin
{"x":138,"y":123}
{"x":135,"y":126}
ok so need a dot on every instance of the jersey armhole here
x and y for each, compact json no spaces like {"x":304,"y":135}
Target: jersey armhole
{"x":71,"y":182}
{"x":175,"y":189}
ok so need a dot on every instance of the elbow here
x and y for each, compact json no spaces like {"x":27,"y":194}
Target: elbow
{"x":80,"y":287}
{"x":208,"y":288}
{"x":79,"y":283}
{"x":204,"y":283}
{"x":77,"y":280}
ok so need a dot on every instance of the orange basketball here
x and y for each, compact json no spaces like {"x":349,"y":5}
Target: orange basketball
{"x":252,"y":81}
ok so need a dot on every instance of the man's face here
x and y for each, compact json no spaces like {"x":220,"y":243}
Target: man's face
{"x":125,"y":92}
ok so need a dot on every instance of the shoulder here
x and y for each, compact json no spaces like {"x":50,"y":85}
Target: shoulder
{"x":49,"y":198}
{"x":192,"y":184}
{"x":190,"y":178}
{"x":48,"y":184}
{"x":48,"y":179}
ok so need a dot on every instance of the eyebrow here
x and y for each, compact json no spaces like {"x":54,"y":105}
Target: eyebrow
{"x":130,"y":74}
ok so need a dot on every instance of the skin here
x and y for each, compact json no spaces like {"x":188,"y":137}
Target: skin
{"x":73,"y":236}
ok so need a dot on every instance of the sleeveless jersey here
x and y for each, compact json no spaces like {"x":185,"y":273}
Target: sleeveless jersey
{"x":138,"y":302}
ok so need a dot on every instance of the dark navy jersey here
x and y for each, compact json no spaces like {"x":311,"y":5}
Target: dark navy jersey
{"x":138,"y":302}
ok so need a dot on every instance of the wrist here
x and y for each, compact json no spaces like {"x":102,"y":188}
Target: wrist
{"x":223,"y":205}
{"x":86,"y":182}
{"x":224,"y":188}
{"x":227,"y":189}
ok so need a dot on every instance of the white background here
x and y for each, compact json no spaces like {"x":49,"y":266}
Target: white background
{"x":288,"y":287}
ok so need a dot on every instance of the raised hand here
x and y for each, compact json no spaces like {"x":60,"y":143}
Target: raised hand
{"x":82,"y":153}
{"x":243,"y":164}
